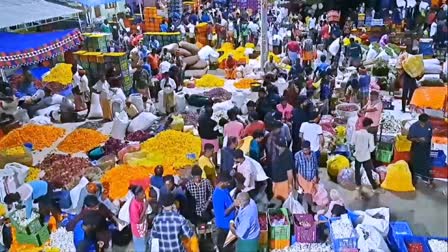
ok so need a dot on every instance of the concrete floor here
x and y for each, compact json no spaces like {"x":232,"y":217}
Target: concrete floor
{"x":426,"y":209}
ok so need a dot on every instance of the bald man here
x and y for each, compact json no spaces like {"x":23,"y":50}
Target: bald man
{"x":246,"y":226}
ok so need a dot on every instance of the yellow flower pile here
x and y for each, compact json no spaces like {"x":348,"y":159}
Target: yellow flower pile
{"x":41,"y":136}
{"x":244,"y":83}
{"x":15,"y":151}
{"x":277,"y":59}
{"x":171,"y":149}
{"x":33,"y":174}
{"x":238,"y":54}
{"x":61,"y":73}
{"x":82,"y":140}
{"x":3,"y":209}
{"x":250,"y":45}
{"x":209,"y":81}
{"x":226,"y":47}
{"x":120,"y":177}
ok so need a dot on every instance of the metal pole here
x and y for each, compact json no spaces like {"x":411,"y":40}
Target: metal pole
{"x":264,"y":32}
{"x":141,"y":10}
{"x":3,"y":75}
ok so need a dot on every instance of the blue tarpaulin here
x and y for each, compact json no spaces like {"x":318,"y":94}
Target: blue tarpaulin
{"x":91,"y":3}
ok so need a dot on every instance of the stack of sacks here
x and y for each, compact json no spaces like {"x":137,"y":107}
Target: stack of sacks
{"x":194,"y":66}
{"x":431,"y":77}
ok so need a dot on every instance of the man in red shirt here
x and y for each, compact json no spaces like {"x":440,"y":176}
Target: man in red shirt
{"x":293,"y":49}
{"x":325,"y":34}
{"x":254,"y":125}
{"x":154,"y":61}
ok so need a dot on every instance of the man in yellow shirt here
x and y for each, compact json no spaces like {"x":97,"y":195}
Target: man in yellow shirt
{"x":206,"y":163}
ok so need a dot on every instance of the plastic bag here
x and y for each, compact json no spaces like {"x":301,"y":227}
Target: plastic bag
{"x":402,"y":143}
{"x":413,"y":66}
{"x":378,"y":218}
{"x":293,"y":205}
{"x":346,"y":178}
{"x":432,"y":68}
{"x":178,"y":123}
{"x":336,"y":164}
{"x":398,"y":178}
{"x":382,"y":172}
{"x":123,"y":214}
{"x":370,"y":240}
{"x":95,"y":107}
{"x":321,"y":195}
{"x":137,"y":100}
{"x":121,"y":122}
{"x":20,"y":171}
{"x":181,"y":102}
{"x":382,"y":56}
{"x":334,"y":47}
{"x":371,"y":55}
{"x":76,"y":192}
{"x":142,"y":122}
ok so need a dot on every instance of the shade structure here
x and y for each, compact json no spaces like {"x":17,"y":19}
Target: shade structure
{"x":91,"y":3}
{"x":18,"y":12}
{"x":26,"y":49}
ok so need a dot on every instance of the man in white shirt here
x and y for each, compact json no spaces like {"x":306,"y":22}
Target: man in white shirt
{"x":191,"y":32}
{"x":433,"y":29}
{"x":244,"y":168}
{"x":182,"y":30}
{"x":312,"y":132}
{"x":364,"y":145}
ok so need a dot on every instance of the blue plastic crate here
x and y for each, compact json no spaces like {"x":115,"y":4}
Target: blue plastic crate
{"x":397,"y":229}
{"x":407,"y":239}
{"x":436,"y":238}
{"x":438,"y":158}
{"x":345,"y":243}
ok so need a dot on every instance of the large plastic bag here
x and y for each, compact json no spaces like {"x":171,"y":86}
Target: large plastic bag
{"x":123,"y":214}
{"x":142,"y":122}
{"x":433,"y":68}
{"x":137,"y":100}
{"x":398,"y":178}
{"x":75,"y":194}
{"x":334,"y":47}
{"x":121,"y":122}
{"x":370,"y":240}
{"x":206,"y":52}
{"x":293,"y":205}
{"x":321,"y":195}
{"x":336,"y":164}
{"x":371,"y":55}
{"x":20,"y":171}
{"x":178,"y":123}
{"x":346,"y":178}
{"x":378,"y":218}
{"x":382,"y":56}
{"x":95,"y":107}
{"x":181,"y":102}
{"x":413,"y":66}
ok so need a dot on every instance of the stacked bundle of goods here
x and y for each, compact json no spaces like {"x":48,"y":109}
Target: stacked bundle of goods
{"x":432,"y":71}
{"x":165,"y":38}
{"x":152,"y":20}
{"x":201,"y":35}
{"x":96,"y":41}
{"x":29,"y":230}
{"x":120,"y":61}
{"x":194,"y":65}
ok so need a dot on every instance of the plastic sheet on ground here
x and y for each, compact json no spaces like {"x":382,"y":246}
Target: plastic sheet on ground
{"x":430,"y":97}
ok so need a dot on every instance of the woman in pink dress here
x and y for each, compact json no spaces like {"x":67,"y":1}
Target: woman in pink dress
{"x":285,"y":109}
{"x":137,"y":215}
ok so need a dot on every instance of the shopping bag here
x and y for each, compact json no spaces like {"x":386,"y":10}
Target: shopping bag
{"x":123,"y":214}
{"x":293,"y":205}
{"x":398,"y":178}
{"x":20,"y":171}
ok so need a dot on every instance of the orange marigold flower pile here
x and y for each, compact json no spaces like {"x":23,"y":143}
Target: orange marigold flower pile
{"x":120,"y":177}
{"x":82,"y":140}
{"x":41,"y":136}
{"x":244,"y":83}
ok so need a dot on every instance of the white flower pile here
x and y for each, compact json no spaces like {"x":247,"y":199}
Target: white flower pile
{"x":342,"y":228}
{"x":19,"y":216}
{"x":63,"y":240}
{"x":390,"y":124}
{"x":438,"y":245}
{"x":306,"y":247}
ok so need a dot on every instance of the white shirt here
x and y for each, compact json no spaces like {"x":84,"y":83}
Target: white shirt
{"x":245,"y":168}
{"x":311,"y":132}
{"x":312,"y":24}
{"x":433,"y":29}
{"x":171,"y":82}
{"x":84,"y":84}
{"x":364,"y":145}
{"x":182,"y":29}
{"x":223,"y":22}
{"x":76,"y":79}
{"x":253,"y":27}
{"x":101,"y":86}
{"x":191,"y":28}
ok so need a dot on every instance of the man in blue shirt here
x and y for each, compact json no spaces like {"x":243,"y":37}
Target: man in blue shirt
{"x":364,"y":86}
{"x":227,"y":155}
{"x":322,"y":68}
{"x":224,"y":209}
{"x":246,"y":226}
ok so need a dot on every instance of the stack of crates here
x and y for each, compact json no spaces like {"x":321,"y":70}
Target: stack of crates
{"x":264,"y":232}
{"x":201,"y":35}
{"x":175,"y":6}
{"x":96,"y":66}
{"x":165,"y":38}
{"x":95,"y":42}
{"x":279,"y":235}
{"x":35,"y":233}
{"x":152,"y":20}
{"x":119,"y":59}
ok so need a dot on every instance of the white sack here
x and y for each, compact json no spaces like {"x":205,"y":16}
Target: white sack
{"x":383,"y":56}
{"x":20,"y":171}
{"x":431,"y":62}
{"x":181,"y":102}
{"x":430,"y":77}
{"x":142,"y":122}
{"x":95,"y":107}
{"x":371,"y":55}
{"x":370,"y":240}
{"x":334,"y":47}
{"x":48,"y":110}
{"x":137,"y":100}
{"x":206,"y":52}
{"x":76,"y":192}
{"x":41,"y":120}
{"x":121,"y":122}
{"x":238,"y":98}
{"x":433,"y":68}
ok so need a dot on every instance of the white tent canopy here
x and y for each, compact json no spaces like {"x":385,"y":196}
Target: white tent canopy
{"x":19,"y":12}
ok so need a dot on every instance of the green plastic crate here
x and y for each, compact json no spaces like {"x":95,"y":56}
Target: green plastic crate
{"x":39,"y":238}
{"x":279,"y":232}
{"x":31,"y":228}
{"x":384,"y":152}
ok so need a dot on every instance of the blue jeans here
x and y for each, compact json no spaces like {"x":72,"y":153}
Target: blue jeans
{"x":140,"y":244}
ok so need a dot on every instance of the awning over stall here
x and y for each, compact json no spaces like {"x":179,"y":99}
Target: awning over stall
{"x":91,"y":3}
{"x":18,"y":12}
{"x":26,"y":49}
